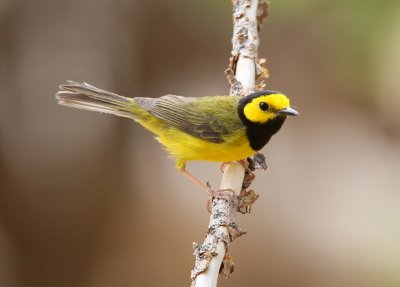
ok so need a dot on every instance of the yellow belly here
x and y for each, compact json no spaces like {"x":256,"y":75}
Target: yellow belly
{"x":184,"y":147}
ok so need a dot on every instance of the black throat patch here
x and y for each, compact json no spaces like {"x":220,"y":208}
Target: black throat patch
{"x":259,"y":134}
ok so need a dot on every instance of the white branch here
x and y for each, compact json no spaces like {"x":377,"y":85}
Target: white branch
{"x":209,"y":277}
{"x":246,"y":66}
{"x":242,"y":73}
{"x":231,"y":179}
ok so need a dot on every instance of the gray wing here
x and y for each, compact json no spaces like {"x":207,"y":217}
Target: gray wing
{"x":186,"y":114}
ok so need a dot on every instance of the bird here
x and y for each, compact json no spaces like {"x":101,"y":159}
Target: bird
{"x":211,"y":128}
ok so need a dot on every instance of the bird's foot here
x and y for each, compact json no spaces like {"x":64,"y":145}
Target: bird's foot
{"x":226,"y":194}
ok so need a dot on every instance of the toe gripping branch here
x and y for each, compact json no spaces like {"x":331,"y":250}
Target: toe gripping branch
{"x":243,"y":202}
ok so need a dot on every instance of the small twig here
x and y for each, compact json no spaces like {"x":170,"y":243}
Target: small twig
{"x":243,"y":70}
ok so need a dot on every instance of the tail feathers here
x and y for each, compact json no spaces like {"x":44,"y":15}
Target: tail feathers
{"x":88,"y":97}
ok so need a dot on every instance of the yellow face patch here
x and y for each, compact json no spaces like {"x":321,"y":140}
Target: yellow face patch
{"x":264,"y":108}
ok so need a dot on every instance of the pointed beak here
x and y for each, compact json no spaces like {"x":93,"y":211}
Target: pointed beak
{"x":288,"y":112}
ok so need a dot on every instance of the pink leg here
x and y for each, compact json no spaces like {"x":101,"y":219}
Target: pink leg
{"x":222,"y":193}
{"x":194,"y":179}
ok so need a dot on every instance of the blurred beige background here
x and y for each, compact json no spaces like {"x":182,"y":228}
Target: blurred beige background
{"x":91,"y":200}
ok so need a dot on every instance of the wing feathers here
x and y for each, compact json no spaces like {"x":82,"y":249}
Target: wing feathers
{"x":208,"y":118}
{"x":189,"y":115}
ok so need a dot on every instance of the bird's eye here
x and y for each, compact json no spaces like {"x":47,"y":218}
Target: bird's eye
{"x":264,"y":106}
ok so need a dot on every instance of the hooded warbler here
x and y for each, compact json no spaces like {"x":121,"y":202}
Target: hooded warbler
{"x":216,"y":128}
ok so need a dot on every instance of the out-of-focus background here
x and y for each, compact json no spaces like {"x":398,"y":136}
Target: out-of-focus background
{"x":91,"y":200}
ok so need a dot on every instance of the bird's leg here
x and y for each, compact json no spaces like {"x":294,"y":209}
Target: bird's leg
{"x":222,"y":193}
{"x":197,"y":181}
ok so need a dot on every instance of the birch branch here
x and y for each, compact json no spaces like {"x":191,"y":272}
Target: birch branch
{"x":243,"y":70}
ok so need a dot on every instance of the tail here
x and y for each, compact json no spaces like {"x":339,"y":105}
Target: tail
{"x":87,"y":97}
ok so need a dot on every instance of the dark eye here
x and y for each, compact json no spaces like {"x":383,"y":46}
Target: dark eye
{"x":264,"y":106}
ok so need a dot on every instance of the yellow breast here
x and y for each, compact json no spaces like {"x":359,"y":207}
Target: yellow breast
{"x":184,"y":147}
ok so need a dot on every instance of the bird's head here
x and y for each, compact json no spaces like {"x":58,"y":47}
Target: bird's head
{"x":263,"y":106}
